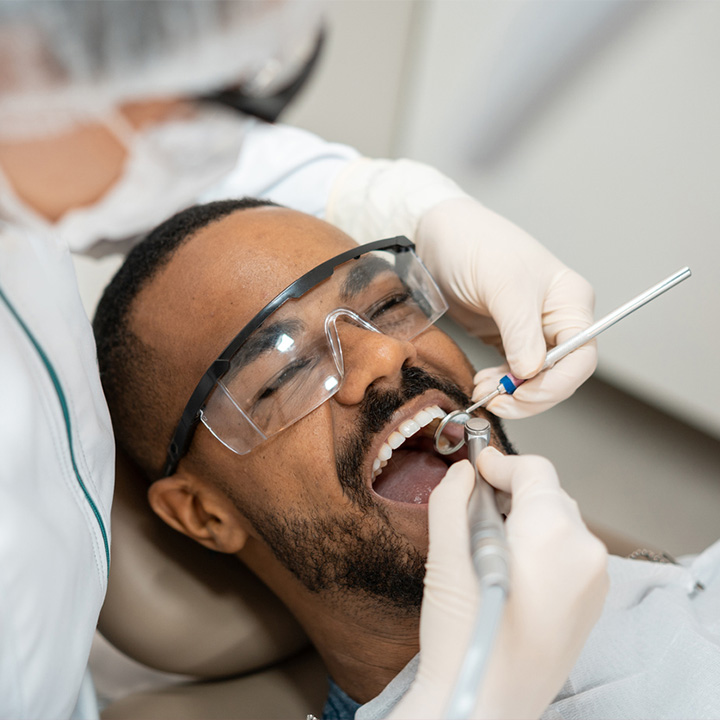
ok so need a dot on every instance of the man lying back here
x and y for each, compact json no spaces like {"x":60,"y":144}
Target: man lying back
{"x":331,"y":512}
{"x":292,"y":431}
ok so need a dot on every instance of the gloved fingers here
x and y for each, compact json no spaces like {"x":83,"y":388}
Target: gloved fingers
{"x":566,"y":310}
{"x":450,"y":586}
{"x":548,"y":387}
{"x":504,"y":501}
{"x":517,"y":474}
{"x":487,"y":379}
{"x":542,"y":392}
{"x":447,"y":507}
{"x":474,"y":323}
{"x":533,"y":485}
{"x":558,"y":581}
{"x":518,"y":315}
{"x":450,"y":598}
{"x":532,"y":314}
{"x":568,"y":307}
{"x":543,"y":518}
{"x":543,"y":515}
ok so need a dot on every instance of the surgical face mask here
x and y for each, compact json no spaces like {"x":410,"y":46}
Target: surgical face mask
{"x":168,"y":166}
{"x":288,"y":359}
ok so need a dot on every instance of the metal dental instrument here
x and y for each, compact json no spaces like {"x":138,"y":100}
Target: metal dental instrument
{"x":491,"y":558}
{"x":509,"y":383}
{"x":487,"y":531}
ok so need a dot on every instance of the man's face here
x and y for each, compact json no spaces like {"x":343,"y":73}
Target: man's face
{"x":313,"y":493}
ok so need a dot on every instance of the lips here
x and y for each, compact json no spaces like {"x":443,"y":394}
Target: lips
{"x":407,"y":468}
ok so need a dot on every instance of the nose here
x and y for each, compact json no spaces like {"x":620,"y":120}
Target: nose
{"x":369,"y":357}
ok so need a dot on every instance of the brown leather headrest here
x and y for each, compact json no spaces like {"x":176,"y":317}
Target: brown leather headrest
{"x":178,"y":607}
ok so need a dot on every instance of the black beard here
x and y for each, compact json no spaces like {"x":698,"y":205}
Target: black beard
{"x":359,"y":553}
{"x":356,"y":553}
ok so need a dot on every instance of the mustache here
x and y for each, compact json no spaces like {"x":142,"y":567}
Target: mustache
{"x":377,"y":409}
{"x":379,"y":406}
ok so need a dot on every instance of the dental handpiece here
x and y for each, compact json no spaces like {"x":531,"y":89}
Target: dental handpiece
{"x":509,"y":383}
{"x":489,"y":549}
{"x":491,"y":558}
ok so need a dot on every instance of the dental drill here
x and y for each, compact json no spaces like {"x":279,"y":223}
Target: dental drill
{"x":491,"y":560}
{"x":509,"y":383}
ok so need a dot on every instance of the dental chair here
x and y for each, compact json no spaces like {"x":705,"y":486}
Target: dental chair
{"x":230,"y":647}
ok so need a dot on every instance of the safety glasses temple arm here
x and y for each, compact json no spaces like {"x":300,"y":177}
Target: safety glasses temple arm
{"x":191,"y":415}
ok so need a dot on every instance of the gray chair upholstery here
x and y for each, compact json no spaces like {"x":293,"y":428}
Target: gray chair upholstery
{"x":177,"y":607}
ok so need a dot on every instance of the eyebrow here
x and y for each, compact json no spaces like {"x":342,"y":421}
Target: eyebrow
{"x":362,"y":274}
{"x":265,"y":339}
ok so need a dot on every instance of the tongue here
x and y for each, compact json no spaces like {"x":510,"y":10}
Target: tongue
{"x":410,"y":476}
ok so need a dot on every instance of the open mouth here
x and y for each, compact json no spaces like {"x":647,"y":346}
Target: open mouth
{"x":407,"y":467}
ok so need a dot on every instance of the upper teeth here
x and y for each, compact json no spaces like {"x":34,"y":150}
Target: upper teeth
{"x":405,"y":430}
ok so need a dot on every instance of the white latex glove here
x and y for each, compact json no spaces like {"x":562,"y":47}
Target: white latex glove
{"x":489,"y":268}
{"x":558,"y":584}
{"x":500,"y":283}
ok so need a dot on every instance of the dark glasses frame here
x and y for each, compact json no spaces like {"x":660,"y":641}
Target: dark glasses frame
{"x":269,"y":107}
{"x":182,"y":437}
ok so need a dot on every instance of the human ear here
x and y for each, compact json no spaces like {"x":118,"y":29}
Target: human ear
{"x":199,"y":511}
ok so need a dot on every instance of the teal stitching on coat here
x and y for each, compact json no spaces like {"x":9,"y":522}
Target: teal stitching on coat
{"x":66,"y":415}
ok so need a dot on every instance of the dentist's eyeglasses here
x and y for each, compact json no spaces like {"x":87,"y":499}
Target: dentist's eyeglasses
{"x":268,"y":94}
{"x":288,"y":359}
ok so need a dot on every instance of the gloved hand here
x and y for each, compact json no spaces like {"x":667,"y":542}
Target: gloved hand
{"x":507,"y":289}
{"x":558,"y":583}
{"x":500,"y":283}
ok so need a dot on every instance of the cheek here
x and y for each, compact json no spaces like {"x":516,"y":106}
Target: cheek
{"x":413,"y":526}
{"x":294,"y":471}
{"x":440,"y":352}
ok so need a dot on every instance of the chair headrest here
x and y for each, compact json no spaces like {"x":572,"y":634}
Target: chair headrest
{"x":179,"y":607}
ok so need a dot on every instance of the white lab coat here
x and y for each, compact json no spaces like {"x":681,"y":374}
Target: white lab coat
{"x":56,"y":444}
{"x":56,"y":480}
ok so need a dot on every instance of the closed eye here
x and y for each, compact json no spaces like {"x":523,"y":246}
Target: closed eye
{"x":281,"y":379}
{"x":387,"y":304}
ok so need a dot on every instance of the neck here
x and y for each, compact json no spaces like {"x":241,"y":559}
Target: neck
{"x":74,"y":169}
{"x":364,"y":643}
{"x":362,"y":651}
{"x":55,"y":175}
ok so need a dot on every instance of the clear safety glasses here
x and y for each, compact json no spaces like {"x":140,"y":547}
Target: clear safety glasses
{"x":288,"y":359}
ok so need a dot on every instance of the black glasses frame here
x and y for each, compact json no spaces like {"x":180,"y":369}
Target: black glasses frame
{"x":269,"y":107}
{"x":182,"y":437}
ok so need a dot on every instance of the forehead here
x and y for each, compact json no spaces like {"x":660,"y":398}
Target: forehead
{"x":220,"y":278}
{"x":256,"y":253}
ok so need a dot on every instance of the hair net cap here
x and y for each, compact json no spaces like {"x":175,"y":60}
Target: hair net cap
{"x":64,"y":61}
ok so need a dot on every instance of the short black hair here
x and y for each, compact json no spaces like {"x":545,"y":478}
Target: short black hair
{"x":130,"y":371}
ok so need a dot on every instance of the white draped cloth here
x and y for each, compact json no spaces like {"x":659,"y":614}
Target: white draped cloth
{"x":654,"y":653}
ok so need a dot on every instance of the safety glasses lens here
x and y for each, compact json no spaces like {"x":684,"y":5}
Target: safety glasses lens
{"x":289,"y":365}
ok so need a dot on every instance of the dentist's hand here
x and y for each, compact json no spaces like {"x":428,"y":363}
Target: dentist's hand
{"x":507,"y":289}
{"x":500,"y":283}
{"x":558,"y":586}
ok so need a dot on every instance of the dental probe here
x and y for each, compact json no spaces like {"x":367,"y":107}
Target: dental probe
{"x":509,"y":383}
{"x":491,"y":558}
